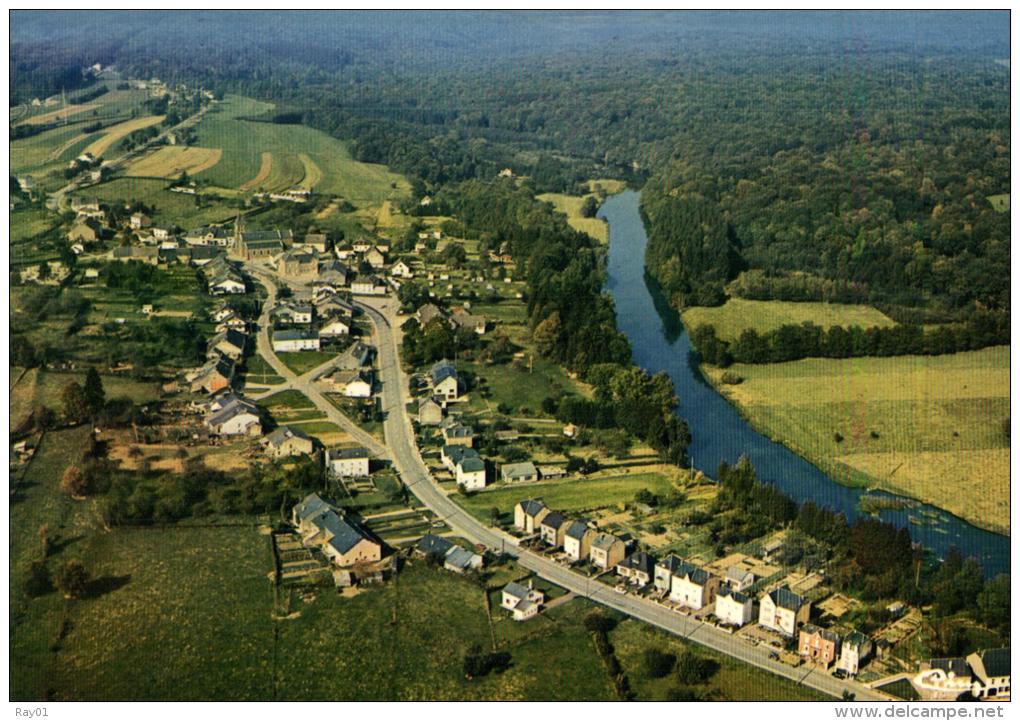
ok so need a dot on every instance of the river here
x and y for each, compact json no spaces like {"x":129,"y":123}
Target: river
{"x":660,"y":343}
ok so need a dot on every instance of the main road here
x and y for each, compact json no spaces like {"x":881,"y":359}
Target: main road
{"x":403,"y":451}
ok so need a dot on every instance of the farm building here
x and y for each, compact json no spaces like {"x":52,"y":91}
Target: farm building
{"x":430,"y":413}
{"x":214,"y":376}
{"x":235,"y":419}
{"x":286,"y":441}
{"x":334,"y":328}
{"x":230,"y":344}
{"x":518,"y":472}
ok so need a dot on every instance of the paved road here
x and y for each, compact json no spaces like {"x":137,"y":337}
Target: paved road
{"x":403,"y":451}
{"x":304,"y":383}
{"x":408,"y":461}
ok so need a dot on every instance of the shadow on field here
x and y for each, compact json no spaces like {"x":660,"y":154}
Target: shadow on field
{"x":106,"y":584}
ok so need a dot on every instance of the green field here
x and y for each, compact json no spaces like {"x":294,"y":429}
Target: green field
{"x":182,"y":209}
{"x":259,"y":372}
{"x":570,"y":205}
{"x":296,"y":152}
{"x":737,"y":315}
{"x":303,"y":361}
{"x":938,"y":421}
{"x":1000,"y":202}
{"x":733,"y":681}
{"x":575,"y":494}
{"x":518,"y":388}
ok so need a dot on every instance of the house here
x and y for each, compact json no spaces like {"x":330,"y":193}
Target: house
{"x":361,"y":246}
{"x":445,"y":381}
{"x":401,"y":269}
{"x":459,"y":435}
{"x":450,"y":455}
{"x":528,"y":515}
{"x":356,"y":357}
{"x":230,"y":343}
{"x":161,"y":233}
{"x":577,"y":540}
{"x":431,"y":545}
{"x":292,"y":313}
{"x":733,"y":607}
{"x":330,"y":305}
{"x":428,"y":313}
{"x":819,"y":645}
{"x":991,"y":673}
{"x":235,"y":419}
{"x":260,"y":244}
{"x":286,"y":441}
{"x":470,"y":471}
{"x":368,"y":285}
{"x":430,"y":413}
{"x":332,"y":276}
{"x":460,"y":560}
{"x":319,"y":242}
{"x":139,"y":221}
{"x":344,"y":542}
{"x":214,"y":235}
{"x":347,"y":462}
{"x":334,"y":328}
{"x":739,"y":579}
{"x":771,"y":548}
{"x":84,"y":231}
{"x":606,"y":551}
{"x":461,"y":319}
{"x":552,"y":528}
{"x":230,"y":284}
{"x":298,"y":265}
{"x":783,"y":610}
{"x":375,"y":257}
{"x":638,"y":568}
{"x":126,"y":254}
{"x":214,"y":376}
{"x":856,"y":650}
{"x":665,"y":570}
{"x":202,"y":256}
{"x":693,"y":587}
{"x":232,"y":322}
{"x":522,"y":601}
{"x":344,"y":251}
{"x":293,"y":341}
{"x":518,"y":472}
{"x":353,"y":384}
{"x":944,"y":679}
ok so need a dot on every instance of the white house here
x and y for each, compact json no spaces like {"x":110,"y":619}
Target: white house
{"x":664,"y":571}
{"x":693,"y":587}
{"x":401,"y":269}
{"x":445,"y":381}
{"x":368,"y":285}
{"x":733,"y":607}
{"x":470,"y":471}
{"x":334,"y":328}
{"x":739,"y":579}
{"x":356,"y":384}
{"x":522,"y":601}
{"x":235,"y":419}
{"x":528,"y":515}
{"x":783,"y":610}
{"x":577,"y":540}
{"x":289,"y":341}
{"x":347,"y":462}
{"x":227,"y":286}
{"x":856,"y":649}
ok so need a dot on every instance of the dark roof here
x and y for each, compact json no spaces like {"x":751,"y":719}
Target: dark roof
{"x":433,"y":544}
{"x":726,"y":590}
{"x":639,"y":561}
{"x":554,"y":519}
{"x":996,"y":661}
{"x":459,"y":431}
{"x":605,"y":541}
{"x":459,"y":557}
{"x":310,"y":506}
{"x":516,"y":590}
{"x":441,"y":371}
{"x":282,"y":433}
{"x":511,"y":470}
{"x":956,"y":666}
{"x":356,"y":452}
{"x":345,"y":535}
{"x":297,"y":334}
{"x":577,"y":529}
{"x":471,"y":464}
{"x":456,"y":453}
{"x":671,"y":563}
{"x":813,"y":630}
{"x":532,"y":506}
{"x":785,"y":598}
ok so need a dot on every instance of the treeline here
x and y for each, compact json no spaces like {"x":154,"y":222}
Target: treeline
{"x":872,"y":558}
{"x":807,"y":340}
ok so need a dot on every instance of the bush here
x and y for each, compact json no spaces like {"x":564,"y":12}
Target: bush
{"x":731,"y":378}
{"x":596,"y":621}
{"x":72,"y":579}
{"x":683,"y":694}
{"x":73,"y":482}
{"x":37,"y":581}
{"x":478,"y":663}
{"x":838,"y":437}
{"x":658,"y":663}
{"x":694,"y":669}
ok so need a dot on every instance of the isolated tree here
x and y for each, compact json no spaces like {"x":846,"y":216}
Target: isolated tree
{"x":547,"y":334}
{"x":72,"y":579}
{"x":37,"y":579}
{"x":658,"y":663}
{"x":73,"y":482}
{"x":494,"y":515}
{"x":95,"y":396}
{"x":76,"y":407}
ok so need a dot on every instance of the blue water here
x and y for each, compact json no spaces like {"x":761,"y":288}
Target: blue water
{"x":660,"y":343}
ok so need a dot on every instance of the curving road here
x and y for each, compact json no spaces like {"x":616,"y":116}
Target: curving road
{"x":403,"y":451}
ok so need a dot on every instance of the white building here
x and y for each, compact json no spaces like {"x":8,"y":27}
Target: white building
{"x":783,"y":610}
{"x":347,"y":462}
{"x":290,"y":341}
{"x":523,"y":602}
{"x":732,"y":607}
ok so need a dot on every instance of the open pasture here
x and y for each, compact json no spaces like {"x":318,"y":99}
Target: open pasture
{"x":171,"y":161}
{"x":737,"y":315}
{"x":930,"y":427}
{"x":114,"y":133}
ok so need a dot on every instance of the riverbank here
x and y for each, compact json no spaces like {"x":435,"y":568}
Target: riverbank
{"x":927,"y":428}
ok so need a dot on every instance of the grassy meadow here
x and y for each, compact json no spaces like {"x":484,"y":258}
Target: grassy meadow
{"x":927,"y":427}
{"x":178,"y":208}
{"x":276,"y":157}
{"x":737,"y":315}
{"x":999,"y":202}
